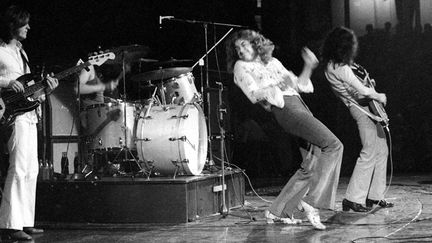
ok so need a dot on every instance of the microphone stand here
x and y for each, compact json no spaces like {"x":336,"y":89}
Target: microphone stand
{"x":222,"y":110}
{"x":224,"y":209}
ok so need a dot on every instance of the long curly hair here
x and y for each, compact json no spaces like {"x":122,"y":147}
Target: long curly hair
{"x":263,"y":46}
{"x":340,"y":46}
{"x":11,"y":19}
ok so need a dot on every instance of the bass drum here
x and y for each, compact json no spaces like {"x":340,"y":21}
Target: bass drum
{"x":172,"y":138}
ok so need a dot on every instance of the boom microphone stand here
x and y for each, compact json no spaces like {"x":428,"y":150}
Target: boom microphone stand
{"x":224,"y":210}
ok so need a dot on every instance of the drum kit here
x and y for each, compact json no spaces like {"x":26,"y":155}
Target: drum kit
{"x":164,"y":135}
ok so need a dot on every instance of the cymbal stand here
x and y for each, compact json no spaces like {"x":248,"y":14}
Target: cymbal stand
{"x":125,"y":147}
{"x":205,"y":24}
{"x":224,"y":210}
{"x":78,"y":122}
{"x":210,"y":162}
{"x":208,"y":97}
{"x":222,"y":110}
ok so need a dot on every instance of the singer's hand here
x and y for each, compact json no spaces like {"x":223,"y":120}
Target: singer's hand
{"x":309,"y":58}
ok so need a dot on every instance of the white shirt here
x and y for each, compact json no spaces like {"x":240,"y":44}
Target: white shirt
{"x":259,"y":82}
{"x":341,"y":79}
{"x":11,"y":68}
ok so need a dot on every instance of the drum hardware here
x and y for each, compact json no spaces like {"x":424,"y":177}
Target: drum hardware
{"x":184,"y":116}
{"x":129,"y":53}
{"x":178,"y":165}
{"x":182,"y":138}
{"x":173,"y":61}
{"x":153,"y":100}
{"x":150,"y":166}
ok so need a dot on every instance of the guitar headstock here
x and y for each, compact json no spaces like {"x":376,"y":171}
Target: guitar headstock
{"x":101,"y":58}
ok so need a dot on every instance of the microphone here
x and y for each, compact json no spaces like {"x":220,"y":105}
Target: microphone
{"x":162,"y":18}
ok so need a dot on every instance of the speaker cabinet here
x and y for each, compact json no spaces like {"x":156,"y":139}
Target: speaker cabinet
{"x":63,"y":110}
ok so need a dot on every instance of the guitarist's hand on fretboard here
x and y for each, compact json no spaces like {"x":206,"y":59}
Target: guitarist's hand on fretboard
{"x":52,"y":83}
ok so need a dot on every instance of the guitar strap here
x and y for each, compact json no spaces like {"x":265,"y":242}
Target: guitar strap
{"x":25,"y":61}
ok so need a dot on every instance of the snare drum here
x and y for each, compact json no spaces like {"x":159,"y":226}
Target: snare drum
{"x":181,"y":90}
{"x":173,"y":138}
{"x":108,"y":128}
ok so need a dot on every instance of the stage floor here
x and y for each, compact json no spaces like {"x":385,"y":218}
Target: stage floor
{"x":409,"y":221}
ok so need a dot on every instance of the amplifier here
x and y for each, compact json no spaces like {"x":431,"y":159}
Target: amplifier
{"x":63,"y":110}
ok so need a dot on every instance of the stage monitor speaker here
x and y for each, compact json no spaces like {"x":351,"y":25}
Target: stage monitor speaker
{"x":63,"y":110}
{"x":57,"y":148}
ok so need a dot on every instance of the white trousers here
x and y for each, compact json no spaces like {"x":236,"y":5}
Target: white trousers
{"x":369,"y":176}
{"x":17,"y":208}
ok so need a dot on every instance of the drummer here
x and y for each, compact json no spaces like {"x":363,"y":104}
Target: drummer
{"x":99,"y":84}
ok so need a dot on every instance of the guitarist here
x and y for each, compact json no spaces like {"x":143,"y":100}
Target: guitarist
{"x":368,"y":181}
{"x":265,"y":80}
{"x":17,"y":210}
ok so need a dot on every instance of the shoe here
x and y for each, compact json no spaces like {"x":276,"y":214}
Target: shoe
{"x":313,"y":216}
{"x":271,"y":218}
{"x":382,"y":203}
{"x":356,"y":207}
{"x":32,"y":230}
{"x":17,"y":235}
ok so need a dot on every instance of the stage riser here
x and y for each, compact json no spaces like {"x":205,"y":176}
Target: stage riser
{"x":139,"y":201}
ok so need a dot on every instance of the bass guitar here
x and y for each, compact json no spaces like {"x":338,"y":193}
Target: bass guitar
{"x":376,"y":107}
{"x":13,"y":104}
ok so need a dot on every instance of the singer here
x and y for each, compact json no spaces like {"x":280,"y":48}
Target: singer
{"x":264,"y":80}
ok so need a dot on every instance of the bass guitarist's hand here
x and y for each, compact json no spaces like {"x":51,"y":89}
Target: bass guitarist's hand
{"x":16,"y":86}
{"x":52,"y":83}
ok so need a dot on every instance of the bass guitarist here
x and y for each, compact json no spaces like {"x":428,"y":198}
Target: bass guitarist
{"x":17,"y":210}
{"x":368,"y":181}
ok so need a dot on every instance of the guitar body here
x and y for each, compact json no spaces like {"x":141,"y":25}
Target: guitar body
{"x":378,"y":110}
{"x":15,"y":104}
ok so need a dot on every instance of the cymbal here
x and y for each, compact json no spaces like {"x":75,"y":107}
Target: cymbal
{"x":161,"y":74}
{"x":147,"y":60}
{"x":173,"y":61}
{"x":130,"y":53}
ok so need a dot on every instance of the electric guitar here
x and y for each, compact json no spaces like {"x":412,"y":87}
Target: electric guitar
{"x":376,"y":107}
{"x":13,"y":104}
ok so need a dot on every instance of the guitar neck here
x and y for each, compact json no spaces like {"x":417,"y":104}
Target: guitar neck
{"x":72,"y":70}
{"x":30,"y":90}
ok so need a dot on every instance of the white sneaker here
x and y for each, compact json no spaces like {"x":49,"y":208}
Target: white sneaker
{"x":271,"y":218}
{"x":313,"y":216}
